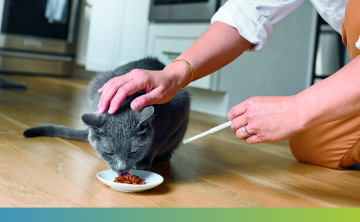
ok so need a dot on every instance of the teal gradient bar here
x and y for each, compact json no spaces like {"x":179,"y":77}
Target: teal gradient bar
{"x":179,"y":214}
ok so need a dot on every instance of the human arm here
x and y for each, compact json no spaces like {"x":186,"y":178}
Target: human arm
{"x":272,"y":119}
{"x":216,"y":47}
{"x":253,"y":20}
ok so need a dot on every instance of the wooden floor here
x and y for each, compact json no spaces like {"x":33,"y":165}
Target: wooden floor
{"x":216,"y":171}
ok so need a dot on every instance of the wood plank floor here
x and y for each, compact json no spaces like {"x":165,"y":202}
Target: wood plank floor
{"x":216,"y":171}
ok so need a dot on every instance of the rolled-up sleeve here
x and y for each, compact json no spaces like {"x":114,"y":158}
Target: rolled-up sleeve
{"x":255,"y":19}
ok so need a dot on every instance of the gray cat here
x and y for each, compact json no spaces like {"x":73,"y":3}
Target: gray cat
{"x":128,"y":139}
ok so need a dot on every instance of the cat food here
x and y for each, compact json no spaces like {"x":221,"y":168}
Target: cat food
{"x":129,"y":179}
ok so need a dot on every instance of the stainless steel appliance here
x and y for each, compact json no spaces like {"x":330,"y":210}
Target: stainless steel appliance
{"x":38,"y":37}
{"x":183,"y":10}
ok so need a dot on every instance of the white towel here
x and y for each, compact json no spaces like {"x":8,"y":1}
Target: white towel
{"x":56,"y":11}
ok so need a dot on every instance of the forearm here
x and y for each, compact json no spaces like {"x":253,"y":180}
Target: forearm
{"x":216,"y":47}
{"x":334,"y":98}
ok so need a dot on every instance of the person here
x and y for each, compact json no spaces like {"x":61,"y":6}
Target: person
{"x":322,"y":122}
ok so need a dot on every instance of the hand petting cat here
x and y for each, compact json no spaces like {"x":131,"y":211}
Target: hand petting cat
{"x":160,"y":87}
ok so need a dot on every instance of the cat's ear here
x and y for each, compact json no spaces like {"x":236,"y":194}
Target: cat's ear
{"x":92,"y":120}
{"x":146,"y":114}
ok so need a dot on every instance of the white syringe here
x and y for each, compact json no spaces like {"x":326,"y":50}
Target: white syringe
{"x":212,"y":130}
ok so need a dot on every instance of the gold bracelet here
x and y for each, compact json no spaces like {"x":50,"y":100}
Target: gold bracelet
{"x":191,"y":68}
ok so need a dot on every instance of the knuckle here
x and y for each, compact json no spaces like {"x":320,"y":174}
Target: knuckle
{"x":251,"y":115}
{"x":251,"y":102}
{"x":122,"y":90}
{"x":142,"y":76}
{"x":111,"y":83}
{"x":134,"y":71}
{"x":161,"y":96}
{"x":144,"y":101}
{"x":232,"y":114}
{"x":254,"y":127}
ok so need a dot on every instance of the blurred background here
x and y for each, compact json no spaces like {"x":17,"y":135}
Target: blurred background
{"x":78,"y":38}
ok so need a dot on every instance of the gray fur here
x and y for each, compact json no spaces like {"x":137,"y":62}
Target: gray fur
{"x":129,"y":139}
{"x":58,"y":131}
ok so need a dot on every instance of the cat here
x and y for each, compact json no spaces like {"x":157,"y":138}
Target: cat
{"x":128,"y":139}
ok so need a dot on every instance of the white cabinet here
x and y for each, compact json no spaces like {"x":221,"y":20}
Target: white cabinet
{"x":117,"y":34}
{"x":167,"y":41}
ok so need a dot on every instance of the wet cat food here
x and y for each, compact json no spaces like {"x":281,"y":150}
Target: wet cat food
{"x":129,"y":179}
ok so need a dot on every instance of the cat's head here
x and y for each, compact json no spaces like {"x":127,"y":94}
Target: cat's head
{"x":123,"y":138}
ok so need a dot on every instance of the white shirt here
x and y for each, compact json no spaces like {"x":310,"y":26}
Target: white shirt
{"x":255,"y":19}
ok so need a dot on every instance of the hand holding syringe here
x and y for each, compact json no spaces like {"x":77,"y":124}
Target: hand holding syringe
{"x":212,"y":130}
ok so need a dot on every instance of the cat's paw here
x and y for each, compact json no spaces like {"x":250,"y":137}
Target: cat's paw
{"x":142,"y":165}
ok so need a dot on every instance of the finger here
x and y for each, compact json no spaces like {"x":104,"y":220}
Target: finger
{"x":252,"y":139}
{"x":109,"y":91}
{"x":147,"y":99}
{"x":124,"y":91}
{"x":117,"y":82}
{"x":241,"y":134}
{"x":236,"y":111}
{"x":238,"y":122}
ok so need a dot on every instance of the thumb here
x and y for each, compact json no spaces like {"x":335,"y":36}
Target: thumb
{"x":145,"y":100}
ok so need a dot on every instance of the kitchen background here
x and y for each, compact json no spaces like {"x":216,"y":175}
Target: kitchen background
{"x":77,"y":38}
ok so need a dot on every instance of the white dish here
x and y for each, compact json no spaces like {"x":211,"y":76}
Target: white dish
{"x":151,"y":180}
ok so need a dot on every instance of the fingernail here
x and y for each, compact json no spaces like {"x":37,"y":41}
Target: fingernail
{"x":100,"y":89}
{"x":111,"y":110}
{"x":137,"y":105}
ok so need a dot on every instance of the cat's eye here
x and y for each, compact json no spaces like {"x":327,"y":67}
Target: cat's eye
{"x":109,"y":153}
{"x":132,"y":151}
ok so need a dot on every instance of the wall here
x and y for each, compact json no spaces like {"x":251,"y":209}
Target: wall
{"x":281,"y":68}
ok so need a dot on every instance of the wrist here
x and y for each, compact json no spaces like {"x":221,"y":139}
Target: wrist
{"x":181,"y":73}
{"x":304,"y":114}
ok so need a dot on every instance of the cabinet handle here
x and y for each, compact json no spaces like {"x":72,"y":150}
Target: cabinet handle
{"x":72,"y":22}
{"x":172,"y":55}
{"x":36,"y":56}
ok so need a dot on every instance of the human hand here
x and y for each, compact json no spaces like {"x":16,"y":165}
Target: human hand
{"x":267,"y":119}
{"x":160,"y":87}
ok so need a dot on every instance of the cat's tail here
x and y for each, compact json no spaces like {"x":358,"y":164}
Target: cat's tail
{"x":58,"y":131}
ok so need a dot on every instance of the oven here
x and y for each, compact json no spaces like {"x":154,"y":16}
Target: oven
{"x":38,"y":37}
{"x":183,"y":10}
